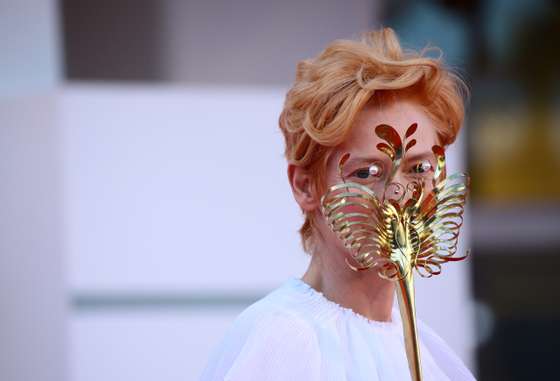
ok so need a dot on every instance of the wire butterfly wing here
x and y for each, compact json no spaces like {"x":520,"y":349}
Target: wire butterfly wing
{"x":438,"y":222}
{"x":360,"y":221}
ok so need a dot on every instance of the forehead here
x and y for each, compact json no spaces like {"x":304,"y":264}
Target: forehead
{"x":399,"y":114}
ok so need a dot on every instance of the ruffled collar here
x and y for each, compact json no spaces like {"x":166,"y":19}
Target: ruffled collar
{"x":318,"y":299}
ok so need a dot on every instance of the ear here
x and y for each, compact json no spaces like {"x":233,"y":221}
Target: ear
{"x":302,"y":188}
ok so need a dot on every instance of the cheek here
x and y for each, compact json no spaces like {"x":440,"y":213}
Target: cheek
{"x":332,"y":176}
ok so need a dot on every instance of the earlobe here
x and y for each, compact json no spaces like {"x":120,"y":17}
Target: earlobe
{"x":300,"y":181}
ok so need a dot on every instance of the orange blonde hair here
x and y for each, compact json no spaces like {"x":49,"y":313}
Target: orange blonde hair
{"x":332,"y":88}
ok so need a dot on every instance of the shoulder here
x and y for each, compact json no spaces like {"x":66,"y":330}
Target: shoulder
{"x":278,"y":312}
{"x":268,"y":341}
{"x":274,"y":321}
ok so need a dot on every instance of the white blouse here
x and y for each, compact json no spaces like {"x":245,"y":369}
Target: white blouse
{"x":296,"y":333}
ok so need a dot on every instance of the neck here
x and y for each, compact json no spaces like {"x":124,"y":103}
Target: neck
{"x":364,"y":292}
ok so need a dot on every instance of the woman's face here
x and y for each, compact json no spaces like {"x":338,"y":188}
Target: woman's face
{"x":369,"y":166}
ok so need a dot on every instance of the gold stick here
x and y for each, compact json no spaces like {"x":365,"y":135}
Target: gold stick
{"x":405,"y":295}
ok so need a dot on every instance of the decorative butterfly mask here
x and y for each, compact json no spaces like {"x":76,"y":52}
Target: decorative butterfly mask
{"x":399,"y":227}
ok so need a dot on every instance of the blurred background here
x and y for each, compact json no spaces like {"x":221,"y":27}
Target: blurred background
{"x":143,"y":196}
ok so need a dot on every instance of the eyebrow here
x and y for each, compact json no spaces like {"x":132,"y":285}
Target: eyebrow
{"x":353,"y":160}
{"x":417,"y":156}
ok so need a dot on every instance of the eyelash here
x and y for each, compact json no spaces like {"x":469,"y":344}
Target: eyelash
{"x":366,"y":170}
{"x":418,"y":166}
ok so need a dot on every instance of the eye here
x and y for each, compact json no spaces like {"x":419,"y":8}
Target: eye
{"x":422,"y":167}
{"x":373,"y":170}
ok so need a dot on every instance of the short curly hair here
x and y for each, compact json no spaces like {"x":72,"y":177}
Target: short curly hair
{"x":331,"y":88}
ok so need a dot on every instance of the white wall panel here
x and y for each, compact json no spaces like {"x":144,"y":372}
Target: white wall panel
{"x":145,"y":346}
{"x":177,"y":189}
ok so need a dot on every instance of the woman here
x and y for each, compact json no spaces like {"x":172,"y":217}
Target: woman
{"x":335,"y":323}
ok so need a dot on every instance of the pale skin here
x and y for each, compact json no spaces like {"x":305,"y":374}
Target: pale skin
{"x":364,"y":292}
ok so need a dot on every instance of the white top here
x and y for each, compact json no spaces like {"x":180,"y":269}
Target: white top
{"x":296,"y":333}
